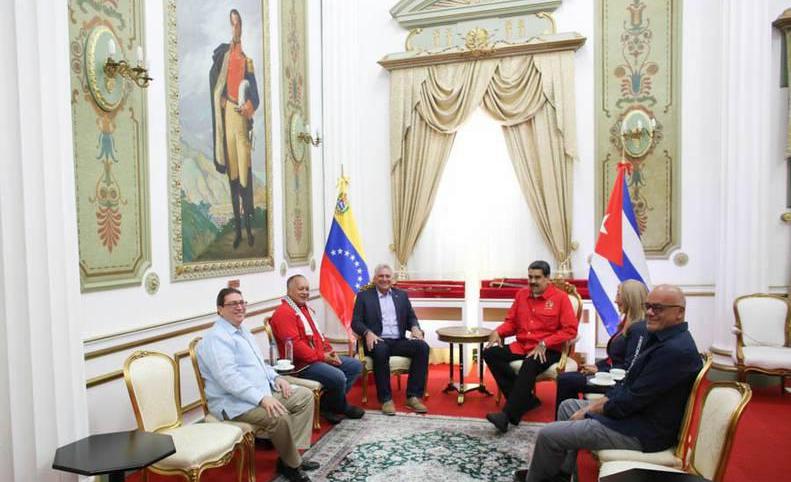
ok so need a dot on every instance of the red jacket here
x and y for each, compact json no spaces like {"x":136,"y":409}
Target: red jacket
{"x":549,"y":317}
{"x":286,"y":324}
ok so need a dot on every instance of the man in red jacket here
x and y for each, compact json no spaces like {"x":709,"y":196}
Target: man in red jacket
{"x":293,"y":320}
{"x":542,"y":318}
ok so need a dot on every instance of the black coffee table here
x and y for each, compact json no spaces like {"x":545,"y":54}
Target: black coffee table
{"x":645,"y":475}
{"x":113,"y":453}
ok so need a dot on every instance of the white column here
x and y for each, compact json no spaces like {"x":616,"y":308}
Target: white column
{"x":42,"y":385}
{"x":741,"y":241}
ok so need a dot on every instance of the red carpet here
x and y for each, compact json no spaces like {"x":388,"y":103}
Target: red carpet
{"x":760,"y":449}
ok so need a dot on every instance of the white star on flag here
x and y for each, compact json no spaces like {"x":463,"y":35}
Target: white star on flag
{"x":332,"y":252}
{"x":346,"y":253}
{"x":351,"y":257}
{"x":603,"y":230}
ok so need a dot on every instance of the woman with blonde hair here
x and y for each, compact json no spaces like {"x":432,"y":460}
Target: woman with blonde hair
{"x":622,"y":347}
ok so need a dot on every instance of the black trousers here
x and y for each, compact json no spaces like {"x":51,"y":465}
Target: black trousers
{"x":417,"y":350}
{"x":570,"y":385}
{"x":517,"y":388}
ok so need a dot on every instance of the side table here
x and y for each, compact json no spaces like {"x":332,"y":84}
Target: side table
{"x":113,"y":453}
{"x":462,"y":335}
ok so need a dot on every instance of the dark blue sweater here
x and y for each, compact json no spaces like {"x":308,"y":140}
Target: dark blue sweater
{"x":650,"y":403}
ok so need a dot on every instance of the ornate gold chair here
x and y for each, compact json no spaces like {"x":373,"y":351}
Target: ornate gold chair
{"x":312,"y":385}
{"x":566,"y":362}
{"x":154,"y":390}
{"x":246,"y":428}
{"x":674,"y":456}
{"x":763,"y":336}
{"x":722,"y":408}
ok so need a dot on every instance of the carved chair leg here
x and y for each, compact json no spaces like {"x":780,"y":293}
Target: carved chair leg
{"x":365,"y":386}
{"x":251,"y":456}
{"x":240,"y":459}
{"x":316,"y":409}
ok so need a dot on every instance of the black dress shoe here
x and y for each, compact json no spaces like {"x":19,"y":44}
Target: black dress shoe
{"x":292,"y":474}
{"x":332,"y":417}
{"x":354,"y":412}
{"x":499,"y":420}
{"x":520,"y":475}
{"x":308,"y":465}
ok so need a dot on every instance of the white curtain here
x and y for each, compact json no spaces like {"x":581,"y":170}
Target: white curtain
{"x":480,"y":225}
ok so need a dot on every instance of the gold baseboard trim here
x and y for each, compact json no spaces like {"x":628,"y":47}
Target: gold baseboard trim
{"x":173,"y":334}
{"x":106,"y":378}
{"x":724,"y":368}
{"x":718,"y":351}
{"x":190,"y":406}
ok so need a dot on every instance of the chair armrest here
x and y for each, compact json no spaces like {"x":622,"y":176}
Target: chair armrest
{"x":350,"y":343}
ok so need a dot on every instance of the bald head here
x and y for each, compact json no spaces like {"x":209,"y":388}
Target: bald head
{"x":298,"y":289}
{"x":665,"y":307}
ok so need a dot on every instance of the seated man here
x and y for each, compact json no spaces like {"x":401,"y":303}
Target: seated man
{"x":241,"y":387}
{"x":642,"y":413}
{"x":292,"y":319}
{"x":381,"y":318}
{"x":542,"y":318}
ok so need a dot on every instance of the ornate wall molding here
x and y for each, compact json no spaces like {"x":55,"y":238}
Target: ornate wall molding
{"x":638,"y":51}
{"x":422,"y":13}
{"x":297,"y":163}
{"x":110,"y":138}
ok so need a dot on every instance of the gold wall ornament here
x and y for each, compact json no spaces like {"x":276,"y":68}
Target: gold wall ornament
{"x":107,"y":93}
{"x":551,"y":18}
{"x":477,"y":39}
{"x":152,"y":283}
{"x":786,"y":217}
{"x":680,"y":259}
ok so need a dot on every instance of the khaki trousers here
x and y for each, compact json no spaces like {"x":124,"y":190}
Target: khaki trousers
{"x":287,"y":432}
{"x":238,"y":145}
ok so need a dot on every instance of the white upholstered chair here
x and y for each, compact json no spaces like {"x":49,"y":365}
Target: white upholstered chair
{"x":246,"y":428}
{"x":722,"y":408}
{"x":673,"y":456}
{"x":154,"y":390}
{"x":763,"y":335}
{"x":316,"y":387}
{"x":566,"y":362}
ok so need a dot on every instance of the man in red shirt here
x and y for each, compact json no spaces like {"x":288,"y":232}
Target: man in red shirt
{"x":292,"y":319}
{"x":542,"y":318}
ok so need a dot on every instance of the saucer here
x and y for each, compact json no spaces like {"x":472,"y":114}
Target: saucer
{"x":593,"y":381}
{"x":282,"y":368}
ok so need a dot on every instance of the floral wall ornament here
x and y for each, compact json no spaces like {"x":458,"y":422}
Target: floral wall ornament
{"x":638,"y":52}
{"x":109,"y":126}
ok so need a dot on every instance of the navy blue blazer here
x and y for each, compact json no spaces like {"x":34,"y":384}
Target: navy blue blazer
{"x":650,"y":403}
{"x":368,"y":315}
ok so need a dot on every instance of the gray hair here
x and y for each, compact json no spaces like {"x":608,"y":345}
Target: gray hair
{"x":380,"y":267}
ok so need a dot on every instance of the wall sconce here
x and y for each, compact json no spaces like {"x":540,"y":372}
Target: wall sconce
{"x":637,"y":133}
{"x":138,"y":74}
{"x":299,"y":135}
{"x":309,"y":139}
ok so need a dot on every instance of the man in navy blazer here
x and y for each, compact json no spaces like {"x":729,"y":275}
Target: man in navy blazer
{"x":381,"y":318}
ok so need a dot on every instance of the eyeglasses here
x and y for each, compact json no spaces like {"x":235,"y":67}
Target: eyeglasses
{"x":234,"y":304}
{"x":659,"y":307}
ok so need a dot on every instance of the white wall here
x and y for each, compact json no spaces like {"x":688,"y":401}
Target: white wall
{"x":699,"y":161}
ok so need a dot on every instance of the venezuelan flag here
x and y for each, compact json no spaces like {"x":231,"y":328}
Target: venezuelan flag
{"x":343,"y":268}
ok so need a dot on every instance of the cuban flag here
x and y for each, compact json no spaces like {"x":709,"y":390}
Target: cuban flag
{"x":619,"y":253}
{"x":343,"y":268}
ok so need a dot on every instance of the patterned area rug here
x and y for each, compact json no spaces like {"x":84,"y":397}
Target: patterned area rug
{"x":425,"y":448}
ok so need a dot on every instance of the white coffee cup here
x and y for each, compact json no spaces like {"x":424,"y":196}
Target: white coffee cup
{"x":617,"y":373}
{"x":283,"y":363}
{"x":603,"y":377}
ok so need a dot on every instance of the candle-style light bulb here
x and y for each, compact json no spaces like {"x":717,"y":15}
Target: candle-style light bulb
{"x":653,"y":123}
{"x":139,"y":55}
{"x":639,"y":124}
{"x":111,"y":48}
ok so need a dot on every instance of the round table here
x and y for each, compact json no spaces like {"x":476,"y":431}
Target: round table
{"x":462,"y":335}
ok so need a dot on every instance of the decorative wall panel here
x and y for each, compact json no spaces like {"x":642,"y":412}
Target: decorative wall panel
{"x":110,"y":145}
{"x":637,"y":77}
{"x":219,"y":132}
{"x":298,"y":231}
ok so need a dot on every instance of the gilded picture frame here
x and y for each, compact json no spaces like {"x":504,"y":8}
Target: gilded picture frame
{"x":219,"y":138}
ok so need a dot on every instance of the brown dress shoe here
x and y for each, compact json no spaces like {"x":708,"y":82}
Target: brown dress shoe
{"x":415,"y":404}
{"x":388,"y":408}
